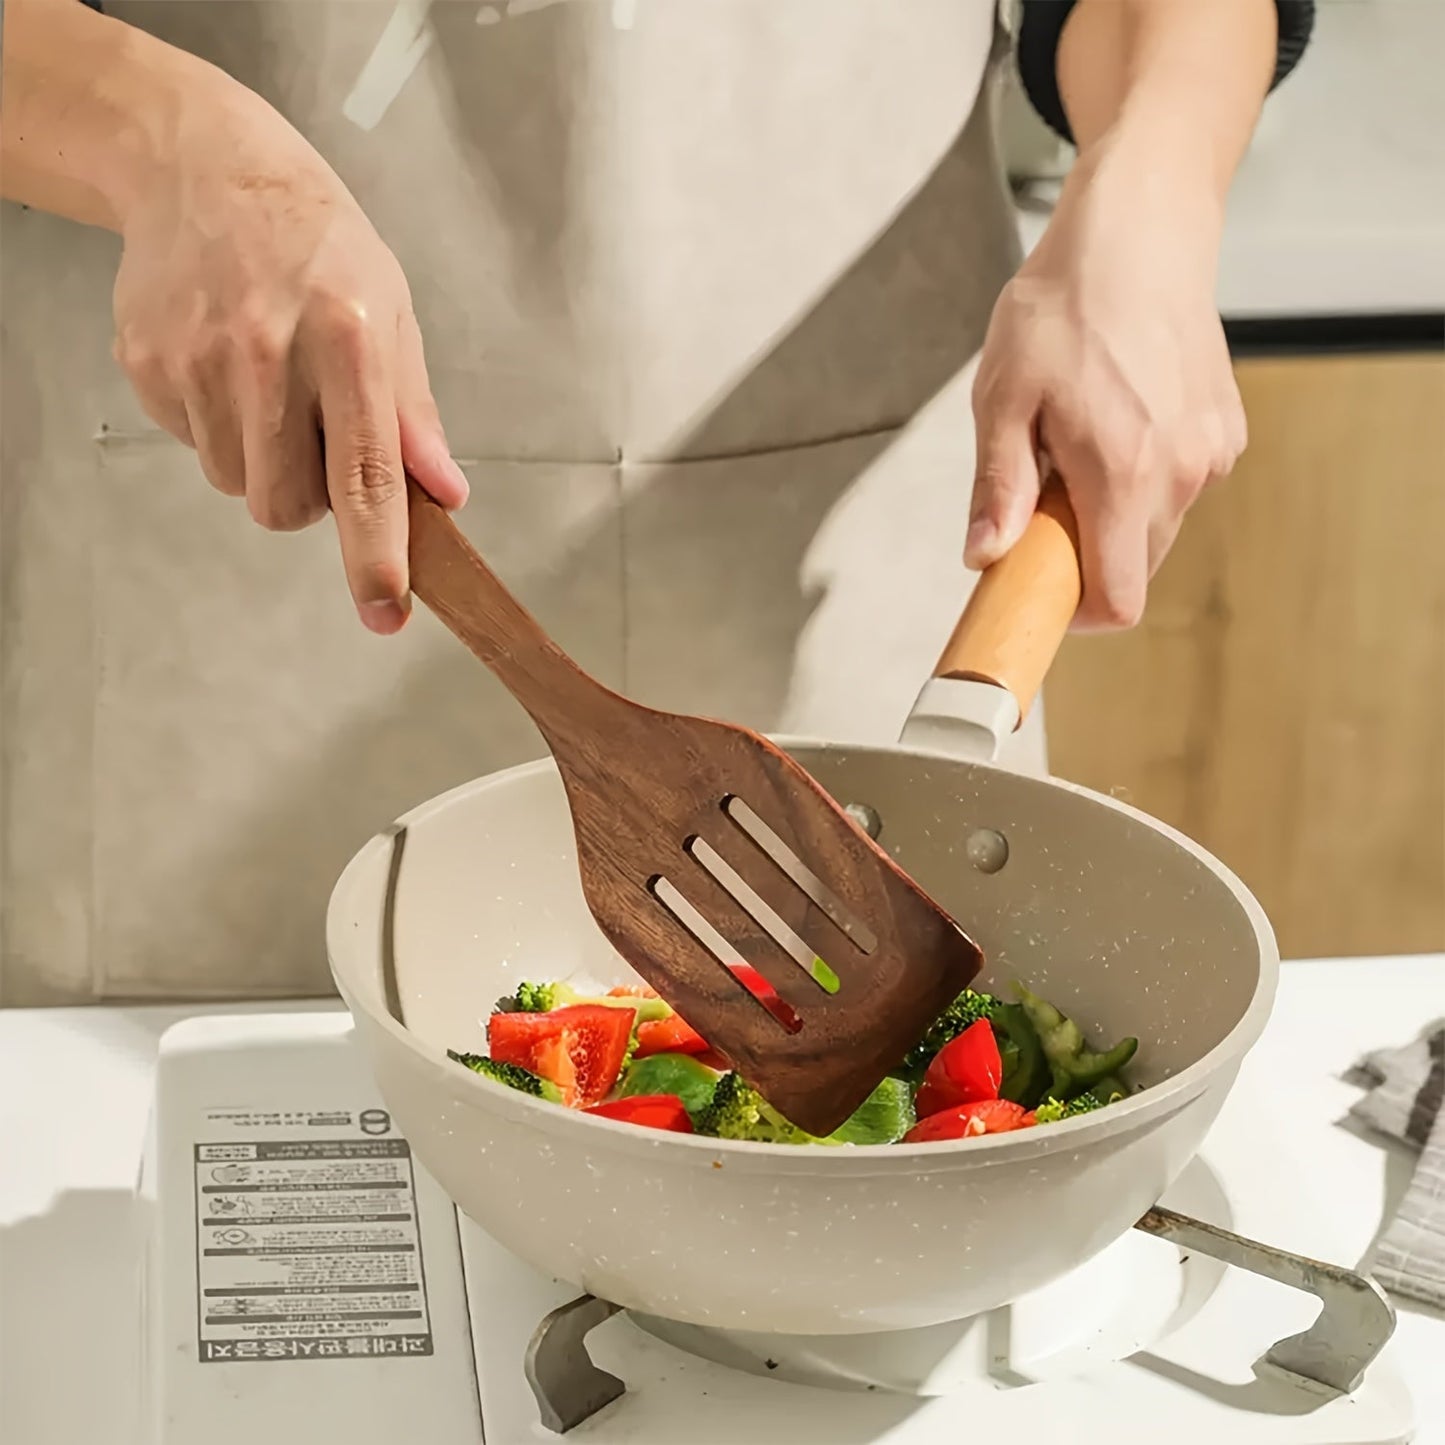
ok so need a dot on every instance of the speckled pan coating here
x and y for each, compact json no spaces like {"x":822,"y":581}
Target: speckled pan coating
{"x":1117,"y":918}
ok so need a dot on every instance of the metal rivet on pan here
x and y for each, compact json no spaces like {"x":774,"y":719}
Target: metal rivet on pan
{"x":986,"y":849}
{"x":866,"y":818}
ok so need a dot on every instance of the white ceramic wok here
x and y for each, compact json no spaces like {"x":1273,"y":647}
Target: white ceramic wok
{"x":1117,"y":919}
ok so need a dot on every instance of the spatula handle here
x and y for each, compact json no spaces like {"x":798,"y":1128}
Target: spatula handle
{"x":471,"y":600}
{"x":1021,"y":608}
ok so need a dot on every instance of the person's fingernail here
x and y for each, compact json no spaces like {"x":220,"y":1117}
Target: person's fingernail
{"x":981,"y":541}
{"x":383,"y":618}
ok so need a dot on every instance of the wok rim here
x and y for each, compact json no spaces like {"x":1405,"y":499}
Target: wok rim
{"x":1145,"y":1108}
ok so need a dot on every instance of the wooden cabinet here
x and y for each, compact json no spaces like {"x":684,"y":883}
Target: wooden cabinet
{"x":1283,"y":701}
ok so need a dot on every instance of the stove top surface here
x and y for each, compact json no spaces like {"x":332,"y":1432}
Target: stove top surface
{"x":305,"y":1273}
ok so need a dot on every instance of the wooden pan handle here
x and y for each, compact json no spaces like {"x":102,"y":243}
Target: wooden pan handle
{"x":1021,"y":609}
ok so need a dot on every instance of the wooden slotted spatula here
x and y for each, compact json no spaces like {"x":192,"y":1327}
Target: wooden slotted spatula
{"x":685,"y":829}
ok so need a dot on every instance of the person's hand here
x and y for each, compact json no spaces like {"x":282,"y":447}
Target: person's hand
{"x":257,"y":312}
{"x":1106,"y":359}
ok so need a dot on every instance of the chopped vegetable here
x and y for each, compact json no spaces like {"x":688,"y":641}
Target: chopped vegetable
{"x":669,"y":1036}
{"x":963,"y":1071}
{"x":737,"y":1111}
{"x":965,"y":1010}
{"x":1074,"y":1066}
{"x":512,"y":1075}
{"x":652,"y":1111}
{"x":672,"y":1034}
{"x":581,"y":1048}
{"x":767,"y":995}
{"x":533,"y":998}
{"x":985,"y":1067}
{"x":541,"y":998}
{"x":884,"y":1117}
{"x":986,"y":1116}
{"x":676,"y":1074}
{"x":1025,"y":1069}
{"x":1107,"y":1092}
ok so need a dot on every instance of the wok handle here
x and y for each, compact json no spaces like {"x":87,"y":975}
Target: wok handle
{"x":1021,"y":609}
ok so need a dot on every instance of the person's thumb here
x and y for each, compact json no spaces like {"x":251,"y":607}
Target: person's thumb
{"x":428,"y":459}
{"x":1005,"y":487}
{"x":424,"y":450}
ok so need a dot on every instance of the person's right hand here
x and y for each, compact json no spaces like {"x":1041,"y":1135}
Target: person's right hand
{"x":257,"y":311}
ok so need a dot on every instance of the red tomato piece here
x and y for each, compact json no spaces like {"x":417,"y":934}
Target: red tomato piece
{"x":672,"y":1035}
{"x":652,"y":1111}
{"x":552,"y":1059}
{"x":580,"y":1049}
{"x":985,"y":1116}
{"x":767,"y":995}
{"x":964,"y":1071}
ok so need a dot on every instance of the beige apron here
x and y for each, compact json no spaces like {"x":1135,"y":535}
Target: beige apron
{"x":701,"y":285}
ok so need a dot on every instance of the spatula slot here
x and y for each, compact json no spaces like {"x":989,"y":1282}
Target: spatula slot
{"x":677,"y":904}
{"x":853,"y":928}
{"x":758,"y":909}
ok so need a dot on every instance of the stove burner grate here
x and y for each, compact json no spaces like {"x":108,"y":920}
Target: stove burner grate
{"x":1355,"y":1322}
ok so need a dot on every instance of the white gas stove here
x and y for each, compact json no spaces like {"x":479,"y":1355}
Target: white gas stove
{"x":303,"y":1265}
{"x":304,"y":1279}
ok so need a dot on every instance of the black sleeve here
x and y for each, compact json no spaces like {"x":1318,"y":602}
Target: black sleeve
{"x":1041,"y":22}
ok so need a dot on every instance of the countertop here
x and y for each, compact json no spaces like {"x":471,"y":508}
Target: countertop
{"x":1339,"y":206}
{"x":75,"y":1090}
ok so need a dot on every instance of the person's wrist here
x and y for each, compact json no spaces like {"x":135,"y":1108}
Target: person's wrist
{"x":167,"y":102}
{"x":1163,"y":150}
{"x":1136,"y":184}
{"x":141,"y":99}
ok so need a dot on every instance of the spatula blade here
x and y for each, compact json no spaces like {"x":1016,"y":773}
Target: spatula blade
{"x":894,"y":974}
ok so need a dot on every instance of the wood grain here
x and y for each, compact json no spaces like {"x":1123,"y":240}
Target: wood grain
{"x":641,"y":784}
{"x":1021,"y":609}
{"x":1283,"y":701}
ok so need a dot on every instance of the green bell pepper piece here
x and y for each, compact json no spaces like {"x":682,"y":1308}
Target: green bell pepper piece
{"x":1109,"y":1091}
{"x":1089,"y":1068}
{"x":1026,"y":1071}
{"x":884,"y":1117}
{"x":1074,"y":1066}
{"x":678,"y":1074}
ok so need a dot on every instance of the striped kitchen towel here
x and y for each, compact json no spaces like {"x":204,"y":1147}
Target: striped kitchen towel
{"x":1406,"y":1100}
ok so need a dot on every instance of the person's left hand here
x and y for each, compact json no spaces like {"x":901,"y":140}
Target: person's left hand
{"x":1106,"y":359}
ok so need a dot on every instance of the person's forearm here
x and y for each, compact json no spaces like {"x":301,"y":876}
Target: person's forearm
{"x":88,"y":107}
{"x":1173,"y":86}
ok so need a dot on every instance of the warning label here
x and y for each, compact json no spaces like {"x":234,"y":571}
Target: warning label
{"x":308,"y":1250}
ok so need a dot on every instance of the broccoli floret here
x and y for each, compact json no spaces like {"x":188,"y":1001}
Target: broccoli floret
{"x":1052,"y":1110}
{"x":630,"y":1053}
{"x":966,"y":1009}
{"x":542,"y":998}
{"x":530,"y":998}
{"x":514,"y":1076}
{"x":534,"y":998}
{"x":1099,"y":1097}
{"x":738,"y":1111}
